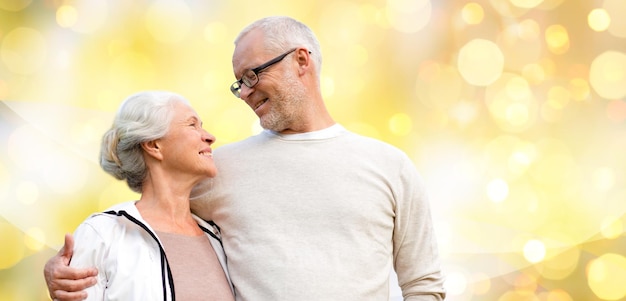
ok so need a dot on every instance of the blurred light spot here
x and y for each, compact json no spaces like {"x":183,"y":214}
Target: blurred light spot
{"x":508,"y":156}
{"x":612,"y":227}
{"x":464,"y":113}
{"x":534,"y":251}
{"x":579,"y":89}
{"x":517,"y":114}
{"x":521,"y":44}
{"x":169,"y":21}
{"x":603,"y":179}
{"x":529,"y":30}
{"x":557,"y":39}
{"x":533,"y":73}
{"x":519,"y":160}
{"x":605,"y":276}
{"x":12,"y":243}
{"x":35,"y":239}
{"x":599,"y":19}
{"x":616,"y":111}
{"x":66,"y":16}
{"x":14,"y":5}
{"x":480,"y":62}
{"x":23,"y":51}
{"x":558,"y":97}
{"x":472,"y":13}
{"x":92,"y":15}
{"x":608,"y":74}
{"x":408,"y":16}
{"x":27,"y":192}
{"x":456,"y":283}
{"x":616,"y":9}
{"x":558,"y":295}
{"x":526,"y":3}
{"x":216,"y":33}
{"x":400,"y":124}
{"x":511,"y":103}
{"x":497,"y":190}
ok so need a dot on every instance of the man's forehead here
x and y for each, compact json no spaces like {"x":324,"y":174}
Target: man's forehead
{"x":246,"y":56}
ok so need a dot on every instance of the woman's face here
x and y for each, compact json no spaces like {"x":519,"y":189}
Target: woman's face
{"x":186,"y":148}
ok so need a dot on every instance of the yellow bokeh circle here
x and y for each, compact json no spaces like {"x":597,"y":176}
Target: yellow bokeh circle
{"x":605,"y":276}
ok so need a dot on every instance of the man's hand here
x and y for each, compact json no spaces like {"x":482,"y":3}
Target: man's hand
{"x":66,"y":283}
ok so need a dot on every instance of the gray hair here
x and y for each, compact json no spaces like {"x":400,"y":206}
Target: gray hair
{"x":283,"y":33}
{"x":142,"y":117}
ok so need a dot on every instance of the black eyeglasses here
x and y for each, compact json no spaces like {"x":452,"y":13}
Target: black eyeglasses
{"x":251,"y":76}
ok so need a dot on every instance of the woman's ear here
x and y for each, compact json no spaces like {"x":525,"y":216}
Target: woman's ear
{"x":152,"y":149}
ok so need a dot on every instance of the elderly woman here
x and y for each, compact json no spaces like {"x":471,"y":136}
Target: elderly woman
{"x":154,"y":248}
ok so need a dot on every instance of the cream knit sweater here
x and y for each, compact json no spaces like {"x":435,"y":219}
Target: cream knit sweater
{"x":321,"y":216}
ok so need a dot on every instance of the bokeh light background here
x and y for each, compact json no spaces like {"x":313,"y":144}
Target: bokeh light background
{"x":514,"y":111}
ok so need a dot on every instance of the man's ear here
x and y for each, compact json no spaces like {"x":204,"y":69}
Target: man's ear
{"x":304,"y":59}
{"x":152,"y":149}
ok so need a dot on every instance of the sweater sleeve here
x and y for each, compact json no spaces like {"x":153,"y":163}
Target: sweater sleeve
{"x":416,"y":257}
{"x":90,"y":251}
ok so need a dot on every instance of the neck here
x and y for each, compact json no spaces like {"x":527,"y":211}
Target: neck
{"x":314,"y":118}
{"x":164,"y":204}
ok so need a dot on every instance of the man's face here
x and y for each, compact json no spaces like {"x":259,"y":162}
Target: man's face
{"x":277,"y":96}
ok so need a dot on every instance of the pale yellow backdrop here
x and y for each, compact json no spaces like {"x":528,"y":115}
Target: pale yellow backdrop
{"x":514,"y":111}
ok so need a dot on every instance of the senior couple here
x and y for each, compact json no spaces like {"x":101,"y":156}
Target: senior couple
{"x":305,"y":210}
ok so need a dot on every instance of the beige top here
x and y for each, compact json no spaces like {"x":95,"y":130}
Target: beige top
{"x":321,"y":216}
{"x":195,"y":268}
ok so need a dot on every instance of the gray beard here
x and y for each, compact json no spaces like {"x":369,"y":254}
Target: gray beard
{"x":286,"y":108}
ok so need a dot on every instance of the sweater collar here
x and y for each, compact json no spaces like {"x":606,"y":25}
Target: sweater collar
{"x":329,"y":132}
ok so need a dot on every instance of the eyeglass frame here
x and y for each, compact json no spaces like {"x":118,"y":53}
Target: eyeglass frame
{"x":235,"y":88}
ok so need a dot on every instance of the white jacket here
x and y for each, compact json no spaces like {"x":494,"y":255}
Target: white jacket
{"x":129,"y":256}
